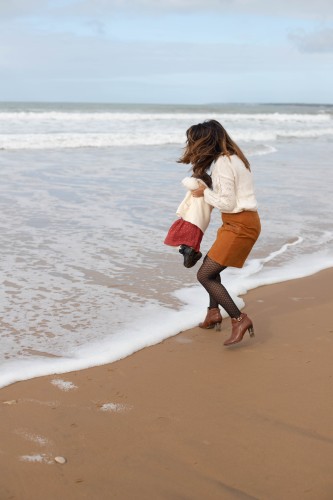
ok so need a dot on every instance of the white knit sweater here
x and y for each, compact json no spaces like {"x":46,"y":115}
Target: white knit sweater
{"x":194,"y":210}
{"x":233,"y":189}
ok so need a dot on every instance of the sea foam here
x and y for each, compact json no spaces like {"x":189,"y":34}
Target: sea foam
{"x":165,"y":322}
{"x":29,"y":130}
{"x":105,"y":140}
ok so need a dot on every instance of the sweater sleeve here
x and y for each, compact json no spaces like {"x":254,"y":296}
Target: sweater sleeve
{"x":223,"y":194}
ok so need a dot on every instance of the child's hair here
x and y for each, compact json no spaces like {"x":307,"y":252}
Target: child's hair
{"x":205,"y":143}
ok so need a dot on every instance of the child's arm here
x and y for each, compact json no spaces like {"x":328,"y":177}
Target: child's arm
{"x":191,"y":183}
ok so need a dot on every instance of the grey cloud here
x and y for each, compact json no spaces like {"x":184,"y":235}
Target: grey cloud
{"x":96,"y":26}
{"x":320,"y":41}
{"x":321,"y":9}
{"x":56,"y":56}
{"x":20,"y":8}
{"x":298,"y":8}
{"x":46,"y":66}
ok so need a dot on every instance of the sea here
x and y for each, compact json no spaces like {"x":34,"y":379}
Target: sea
{"x":87,"y":195}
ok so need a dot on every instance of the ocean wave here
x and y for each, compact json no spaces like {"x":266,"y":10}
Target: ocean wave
{"x":260,"y":150}
{"x":77,"y":140}
{"x":107,"y":116}
{"x":145,"y":138}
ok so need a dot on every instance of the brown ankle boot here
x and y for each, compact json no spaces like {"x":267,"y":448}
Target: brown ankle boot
{"x":239,"y":327}
{"x":213,"y":318}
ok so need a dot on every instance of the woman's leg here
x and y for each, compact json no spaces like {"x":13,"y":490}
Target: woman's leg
{"x":209,"y":277}
{"x":212,"y":302}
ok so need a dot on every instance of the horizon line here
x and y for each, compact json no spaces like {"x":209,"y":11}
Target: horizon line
{"x":122,"y":103}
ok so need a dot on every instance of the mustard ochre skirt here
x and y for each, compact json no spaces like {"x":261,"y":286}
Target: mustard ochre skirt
{"x":235,"y":238}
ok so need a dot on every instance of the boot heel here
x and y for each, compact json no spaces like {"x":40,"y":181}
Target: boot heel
{"x":240,"y":326}
{"x":218,"y":327}
{"x":251,"y":331}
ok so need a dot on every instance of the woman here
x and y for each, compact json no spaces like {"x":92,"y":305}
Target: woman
{"x":209,"y":146}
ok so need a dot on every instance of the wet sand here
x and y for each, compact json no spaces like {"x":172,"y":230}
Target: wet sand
{"x":187,"y":418}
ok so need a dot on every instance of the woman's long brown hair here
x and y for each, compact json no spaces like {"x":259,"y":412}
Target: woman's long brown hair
{"x":205,"y":143}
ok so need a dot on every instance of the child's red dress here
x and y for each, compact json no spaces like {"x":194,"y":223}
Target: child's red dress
{"x":182,"y":232}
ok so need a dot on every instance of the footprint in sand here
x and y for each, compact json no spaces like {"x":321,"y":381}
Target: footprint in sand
{"x":63,"y":385}
{"x":36,"y":458}
{"x":43,"y":458}
{"x":34,"y":438}
{"x":114,"y":407}
{"x":183,"y":340}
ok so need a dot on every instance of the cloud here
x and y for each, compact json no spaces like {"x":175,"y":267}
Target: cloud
{"x":298,"y":8}
{"x":321,"y":9}
{"x":96,"y":26}
{"x":98,"y":49}
{"x":19,"y":8}
{"x":63,"y":66}
{"x":320,"y":41}
{"x":46,"y":57}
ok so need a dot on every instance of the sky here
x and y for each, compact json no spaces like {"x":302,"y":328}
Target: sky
{"x":167,"y":51}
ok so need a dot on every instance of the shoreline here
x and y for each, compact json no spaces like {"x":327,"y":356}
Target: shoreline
{"x":187,"y":417}
{"x":49,"y":363}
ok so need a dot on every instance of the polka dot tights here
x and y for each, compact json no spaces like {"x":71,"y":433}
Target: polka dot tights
{"x":209,"y":277}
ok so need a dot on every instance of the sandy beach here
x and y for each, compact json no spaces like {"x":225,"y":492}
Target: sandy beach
{"x":187,"y":418}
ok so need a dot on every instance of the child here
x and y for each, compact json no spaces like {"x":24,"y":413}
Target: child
{"x":194,"y":215}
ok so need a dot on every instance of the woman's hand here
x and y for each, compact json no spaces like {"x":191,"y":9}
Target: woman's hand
{"x":198,"y":193}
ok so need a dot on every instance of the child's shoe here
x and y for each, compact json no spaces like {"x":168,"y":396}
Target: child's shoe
{"x":191,"y":257}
